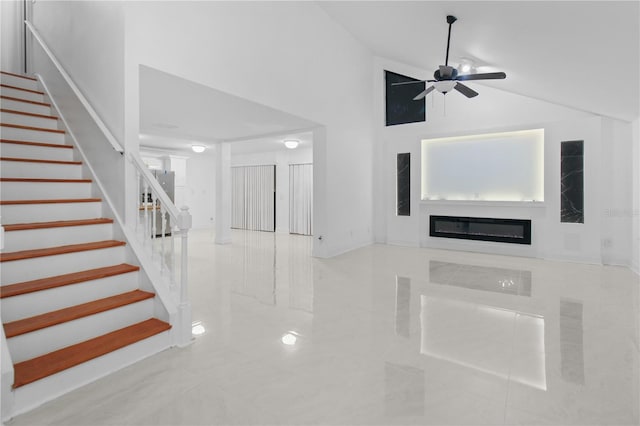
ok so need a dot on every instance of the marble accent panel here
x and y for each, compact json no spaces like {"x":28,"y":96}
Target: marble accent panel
{"x":572,"y":182}
{"x":400,"y":106}
{"x":403,"y":182}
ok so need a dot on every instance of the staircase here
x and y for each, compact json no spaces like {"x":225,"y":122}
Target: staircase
{"x":71,"y":303}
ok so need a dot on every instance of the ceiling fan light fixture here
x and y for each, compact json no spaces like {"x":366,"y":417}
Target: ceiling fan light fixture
{"x":198,"y":148}
{"x":291,"y":143}
{"x":445,"y":86}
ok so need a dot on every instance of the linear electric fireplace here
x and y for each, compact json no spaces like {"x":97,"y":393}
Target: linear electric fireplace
{"x":517,"y":231}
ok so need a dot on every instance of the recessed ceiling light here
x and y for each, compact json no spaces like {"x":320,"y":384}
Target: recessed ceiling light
{"x":291,"y":143}
{"x":198,"y":148}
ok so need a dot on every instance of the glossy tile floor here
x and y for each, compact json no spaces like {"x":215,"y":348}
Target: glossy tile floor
{"x":382,"y":335}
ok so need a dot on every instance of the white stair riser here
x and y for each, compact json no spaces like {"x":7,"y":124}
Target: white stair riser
{"x":25,"y":106}
{"x":24,"y":83}
{"x":34,"y":394}
{"x":25,"y":213}
{"x":50,"y":237}
{"x":44,"y":190}
{"x":47,"y":266}
{"x":14,"y":150}
{"x":21,"y":94}
{"x":40,"y":342}
{"x":32,"y":135}
{"x":25,"y":169}
{"x":28,"y":120}
{"x":40,"y":302}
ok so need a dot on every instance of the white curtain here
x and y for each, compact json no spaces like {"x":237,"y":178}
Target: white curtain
{"x":253,"y":198}
{"x":301,"y":199}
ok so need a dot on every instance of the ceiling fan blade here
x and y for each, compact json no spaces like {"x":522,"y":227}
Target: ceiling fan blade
{"x":485,"y":76}
{"x":424,"y":93}
{"x":465,"y":90}
{"x":412,"y":82}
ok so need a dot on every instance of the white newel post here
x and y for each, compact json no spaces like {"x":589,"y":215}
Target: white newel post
{"x":184,"y":307}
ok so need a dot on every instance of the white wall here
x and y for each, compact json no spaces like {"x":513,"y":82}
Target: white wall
{"x":88,"y":39}
{"x":287,"y":55}
{"x":617,"y":192}
{"x":281,"y":159}
{"x":495,"y":110}
{"x":635,"y":264}
{"x":11,"y":58}
{"x":200,"y":189}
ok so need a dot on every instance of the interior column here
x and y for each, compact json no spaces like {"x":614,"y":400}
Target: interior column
{"x":223,"y":193}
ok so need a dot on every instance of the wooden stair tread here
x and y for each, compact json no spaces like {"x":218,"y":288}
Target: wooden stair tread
{"x":26,"y":77}
{"x":43,"y":144}
{"x":55,"y":224}
{"x":31,"y":160}
{"x":49,"y":201}
{"x":11,"y":98}
{"x":53,"y":251}
{"x":66,"y":279}
{"x":37,"y":368}
{"x":8,"y":86}
{"x":37,"y":129}
{"x":30,"y":114}
{"x":38,"y":322}
{"x":45,"y":180}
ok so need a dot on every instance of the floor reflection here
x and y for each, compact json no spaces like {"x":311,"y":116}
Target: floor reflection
{"x":382,"y":335}
{"x":404,"y":390}
{"x":273,"y":269}
{"x":499,"y":280}
{"x":403,"y":306}
{"x":256,"y":267}
{"x":481,"y":337}
{"x":571,"y":342}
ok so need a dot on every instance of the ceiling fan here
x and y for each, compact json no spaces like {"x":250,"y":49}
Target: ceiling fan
{"x":447,"y":77}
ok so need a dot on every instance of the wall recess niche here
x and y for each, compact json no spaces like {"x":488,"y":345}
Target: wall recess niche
{"x":507,"y":166}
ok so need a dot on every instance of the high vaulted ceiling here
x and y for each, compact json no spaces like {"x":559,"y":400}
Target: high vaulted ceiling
{"x":176,"y":113}
{"x":583,"y":55}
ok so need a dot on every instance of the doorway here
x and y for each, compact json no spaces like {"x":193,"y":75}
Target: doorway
{"x":253,"y":198}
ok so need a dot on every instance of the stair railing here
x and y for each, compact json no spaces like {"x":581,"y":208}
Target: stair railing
{"x":158,"y":227}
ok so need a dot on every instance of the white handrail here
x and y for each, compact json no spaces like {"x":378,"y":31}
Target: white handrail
{"x":112,"y":140}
